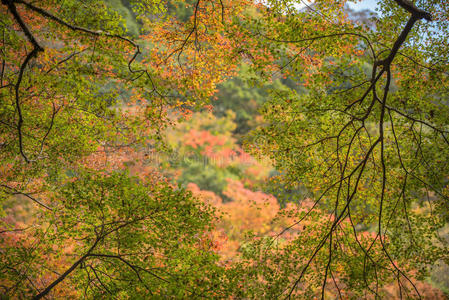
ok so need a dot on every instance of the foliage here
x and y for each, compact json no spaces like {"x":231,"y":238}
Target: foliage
{"x":204,"y":152}
{"x":241,"y":95}
{"x":123,"y":8}
{"x":118,"y":232}
{"x":371,"y":147}
{"x":76,"y":94}
{"x":353,"y":119}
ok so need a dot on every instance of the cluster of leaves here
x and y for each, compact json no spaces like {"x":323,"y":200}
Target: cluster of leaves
{"x":356,"y":118}
{"x":368,"y":139}
{"x":117,"y":235}
{"x":75,"y":94}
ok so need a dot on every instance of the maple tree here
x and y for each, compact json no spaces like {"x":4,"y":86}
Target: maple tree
{"x":355,"y":118}
{"x":368,"y":139}
{"x":79,"y":102}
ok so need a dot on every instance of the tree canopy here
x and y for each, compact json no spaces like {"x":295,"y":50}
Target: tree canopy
{"x":304,"y":149}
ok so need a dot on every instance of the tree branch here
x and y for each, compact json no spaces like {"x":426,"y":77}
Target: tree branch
{"x":36,"y":49}
{"x":411,"y":8}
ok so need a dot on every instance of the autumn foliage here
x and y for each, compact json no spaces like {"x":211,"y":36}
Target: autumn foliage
{"x":223,"y":149}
